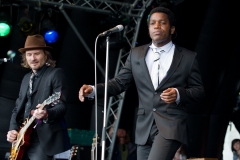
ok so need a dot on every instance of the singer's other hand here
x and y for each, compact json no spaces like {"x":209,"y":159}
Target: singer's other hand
{"x":84,"y":91}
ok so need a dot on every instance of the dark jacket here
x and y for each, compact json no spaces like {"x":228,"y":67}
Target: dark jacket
{"x":170,"y":119}
{"x":52,"y":135}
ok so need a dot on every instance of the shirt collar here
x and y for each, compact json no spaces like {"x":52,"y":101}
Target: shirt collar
{"x":40,"y":71}
{"x":166,"y":47}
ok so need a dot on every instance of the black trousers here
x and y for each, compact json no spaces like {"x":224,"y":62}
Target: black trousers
{"x":157,"y":147}
{"x":35,"y":151}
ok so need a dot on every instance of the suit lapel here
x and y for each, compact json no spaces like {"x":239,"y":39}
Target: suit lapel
{"x":26,"y":84}
{"x":143,"y":64}
{"x":42,"y":82}
{"x":175,"y":62}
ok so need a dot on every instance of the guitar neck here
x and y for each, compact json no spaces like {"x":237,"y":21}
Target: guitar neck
{"x":30,"y":121}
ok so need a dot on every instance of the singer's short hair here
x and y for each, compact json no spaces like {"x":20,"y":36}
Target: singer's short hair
{"x":49,"y":60}
{"x":165,"y":10}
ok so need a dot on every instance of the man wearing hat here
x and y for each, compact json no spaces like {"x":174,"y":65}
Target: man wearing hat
{"x":48,"y":133}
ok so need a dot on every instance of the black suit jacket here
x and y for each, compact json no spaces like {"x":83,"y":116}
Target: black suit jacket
{"x":170,"y":119}
{"x":52,"y":135}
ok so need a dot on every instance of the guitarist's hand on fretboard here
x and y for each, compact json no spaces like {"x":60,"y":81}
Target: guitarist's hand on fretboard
{"x":12,"y":135}
{"x":40,"y":113}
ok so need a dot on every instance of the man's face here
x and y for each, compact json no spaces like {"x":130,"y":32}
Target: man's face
{"x":121,"y":133}
{"x":159,"y":29}
{"x":35,"y":59}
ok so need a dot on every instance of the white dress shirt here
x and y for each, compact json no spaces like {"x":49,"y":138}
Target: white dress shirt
{"x":165,"y":61}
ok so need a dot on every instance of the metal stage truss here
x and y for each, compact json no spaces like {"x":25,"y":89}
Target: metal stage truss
{"x":134,"y":12}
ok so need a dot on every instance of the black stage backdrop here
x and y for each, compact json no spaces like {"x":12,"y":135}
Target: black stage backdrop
{"x":202,"y":26}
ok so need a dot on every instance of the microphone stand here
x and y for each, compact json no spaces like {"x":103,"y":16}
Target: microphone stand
{"x":106,"y":33}
{"x":95,"y":142}
{"x":105,"y":100}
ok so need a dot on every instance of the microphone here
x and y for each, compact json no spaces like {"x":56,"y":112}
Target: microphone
{"x":3,"y":60}
{"x":118,"y":28}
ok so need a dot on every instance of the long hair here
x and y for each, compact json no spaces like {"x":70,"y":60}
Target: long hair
{"x":49,"y":60}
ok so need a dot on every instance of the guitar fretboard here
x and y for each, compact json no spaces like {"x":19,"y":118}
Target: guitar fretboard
{"x":30,"y":121}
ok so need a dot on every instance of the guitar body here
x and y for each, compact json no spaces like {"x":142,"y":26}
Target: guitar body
{"x":18,"y":147}
{"x":23,"y":138}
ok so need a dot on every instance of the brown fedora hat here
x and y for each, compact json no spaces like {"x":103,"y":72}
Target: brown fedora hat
{"x":35,"y":42}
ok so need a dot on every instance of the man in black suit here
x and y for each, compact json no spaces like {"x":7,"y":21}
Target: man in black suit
{"x":165,"y":88}
{"x":47,"y":135}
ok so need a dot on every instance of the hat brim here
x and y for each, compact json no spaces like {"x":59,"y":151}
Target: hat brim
{"x":23,"y":50}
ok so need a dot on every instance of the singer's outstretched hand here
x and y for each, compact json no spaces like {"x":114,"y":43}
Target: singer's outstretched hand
{"x":84,"y":91}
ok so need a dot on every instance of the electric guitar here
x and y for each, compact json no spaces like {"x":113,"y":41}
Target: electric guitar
{"x":23,"y":137}
{"x":73,"y":152}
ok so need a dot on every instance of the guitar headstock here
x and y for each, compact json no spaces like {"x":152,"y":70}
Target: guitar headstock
{"x":73,"y":151}
{"x":53,"y":99}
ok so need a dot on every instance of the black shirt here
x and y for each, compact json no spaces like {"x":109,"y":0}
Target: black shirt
{"x":35,"y":85}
